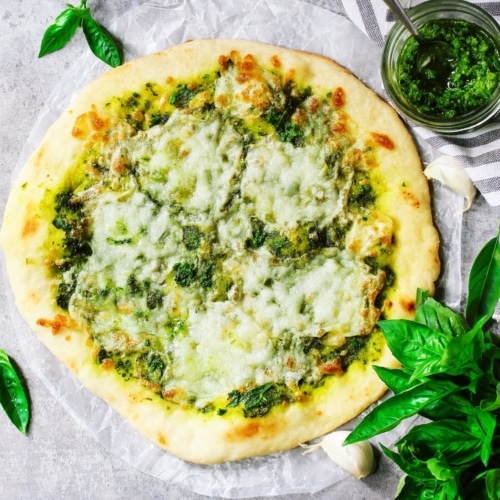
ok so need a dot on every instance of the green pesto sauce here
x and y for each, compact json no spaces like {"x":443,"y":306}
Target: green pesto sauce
{"x":471,"y":78}
{"x":200,"y":265}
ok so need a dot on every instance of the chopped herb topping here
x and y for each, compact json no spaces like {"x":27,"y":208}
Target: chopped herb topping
{"x":184,"y":273}
{"x":181,"y":97}
{"x":191,"y":237}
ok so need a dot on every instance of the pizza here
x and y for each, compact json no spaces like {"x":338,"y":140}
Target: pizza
{"x":208,"y":236}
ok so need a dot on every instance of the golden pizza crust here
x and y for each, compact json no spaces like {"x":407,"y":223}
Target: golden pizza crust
{"x":192,"y":435}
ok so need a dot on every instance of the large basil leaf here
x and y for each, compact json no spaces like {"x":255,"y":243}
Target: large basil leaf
{"x":399,"y":407}
{"x":461,"y":353}
{"x":58,"y":34}
{"x":448,"y":438}
{"x":438,"y":317}
{"x":484,"y":283}
{"x":415,"y":345}
{"x":100,"y":42}
{"x":396,"y":379}
{"x":449,"y":407}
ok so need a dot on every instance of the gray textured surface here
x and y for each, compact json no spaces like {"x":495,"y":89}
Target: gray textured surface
{"x":58,"y":459}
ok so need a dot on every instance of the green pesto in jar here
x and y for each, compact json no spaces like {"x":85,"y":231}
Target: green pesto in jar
{"x":466,"y":84}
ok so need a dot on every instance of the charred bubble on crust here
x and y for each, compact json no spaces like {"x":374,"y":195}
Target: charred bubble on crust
{"x":30,"y":227}
{"x":411,"y":198}
{"x":162,"y":439}
{"x":56,"y":324}
{"x":383,"y":140}
{"x":409,"y":305}
{"x":244,"y":431}
{"x":275,"y":61}
{"x":338,"y":98}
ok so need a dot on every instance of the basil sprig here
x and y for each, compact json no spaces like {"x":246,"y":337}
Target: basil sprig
{"x":12,"y":395}
{"x":64,"y":27}
{"x":450,"y":375}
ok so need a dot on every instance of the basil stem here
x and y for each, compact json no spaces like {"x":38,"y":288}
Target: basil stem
{"x":64,"y":27}
{"x":12,"y":395}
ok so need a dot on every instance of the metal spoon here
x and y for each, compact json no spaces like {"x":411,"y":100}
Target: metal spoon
{"x":433,"y":54}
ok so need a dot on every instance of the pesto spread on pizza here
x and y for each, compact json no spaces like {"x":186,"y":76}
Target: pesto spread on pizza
{"x":209,"y":236}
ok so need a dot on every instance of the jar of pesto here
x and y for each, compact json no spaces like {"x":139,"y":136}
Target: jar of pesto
{"x":453,"y":95}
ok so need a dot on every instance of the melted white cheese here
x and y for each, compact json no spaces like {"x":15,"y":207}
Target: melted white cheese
{"x":186,"y":172}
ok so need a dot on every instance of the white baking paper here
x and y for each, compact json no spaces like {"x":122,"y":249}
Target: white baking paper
{"x":154,"y":26}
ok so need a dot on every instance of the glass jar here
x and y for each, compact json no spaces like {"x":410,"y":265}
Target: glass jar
{"x":420,"y":14}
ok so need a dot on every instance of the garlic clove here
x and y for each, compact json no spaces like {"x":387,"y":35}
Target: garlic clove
{"x":357,"y":459}
{"x":451,"y":173}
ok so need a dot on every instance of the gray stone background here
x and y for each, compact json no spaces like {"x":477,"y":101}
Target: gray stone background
{"x":58,"y":458}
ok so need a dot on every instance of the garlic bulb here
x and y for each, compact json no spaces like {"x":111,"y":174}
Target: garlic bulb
{"x":451,"y":173}
{"x":357,"y":458}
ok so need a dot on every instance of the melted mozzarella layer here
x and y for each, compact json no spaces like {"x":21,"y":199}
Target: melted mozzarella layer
{"x":192,"y":172}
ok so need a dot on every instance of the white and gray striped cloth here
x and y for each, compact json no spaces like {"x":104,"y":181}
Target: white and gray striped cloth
{"x":479,"y":150}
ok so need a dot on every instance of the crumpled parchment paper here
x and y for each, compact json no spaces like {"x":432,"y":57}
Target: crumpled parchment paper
{"x":154,"y":26}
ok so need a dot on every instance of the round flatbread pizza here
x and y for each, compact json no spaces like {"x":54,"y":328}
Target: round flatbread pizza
{"x":208,"y":237}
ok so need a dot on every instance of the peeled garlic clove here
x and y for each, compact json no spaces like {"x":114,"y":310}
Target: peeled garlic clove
{"x":357,"y":458}
{"x":450,"y":172}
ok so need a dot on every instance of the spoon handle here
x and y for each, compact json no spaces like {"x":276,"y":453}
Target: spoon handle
{"x":398,"y":10}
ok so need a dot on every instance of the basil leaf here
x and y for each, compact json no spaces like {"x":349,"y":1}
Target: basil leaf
{"x":440,"y":470}
{"x":393,"y":411}
{"x":448,"y":438}
{"x":58,"y":34}
{"x":492,"y":478}
{"x":411,"y":489}
{"x":12,"y":395}
{"x":461,"y":354}
{"x":486,"y":485}
{"x":416,"y":469}
{"x":396,"y":379}
{"x":491,"y":359}
{"x":100,"y":42}
{"x":492,"y":402}
{"x":412,"y":343}
{"x":64,"y":27}
{"x":438,"y":317}
{"x":449,"y":407}
{"x":483,"y":425}
{"x":484,"y":283}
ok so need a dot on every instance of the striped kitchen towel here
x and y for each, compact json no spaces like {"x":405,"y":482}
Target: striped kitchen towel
{"x":479,"y":150}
